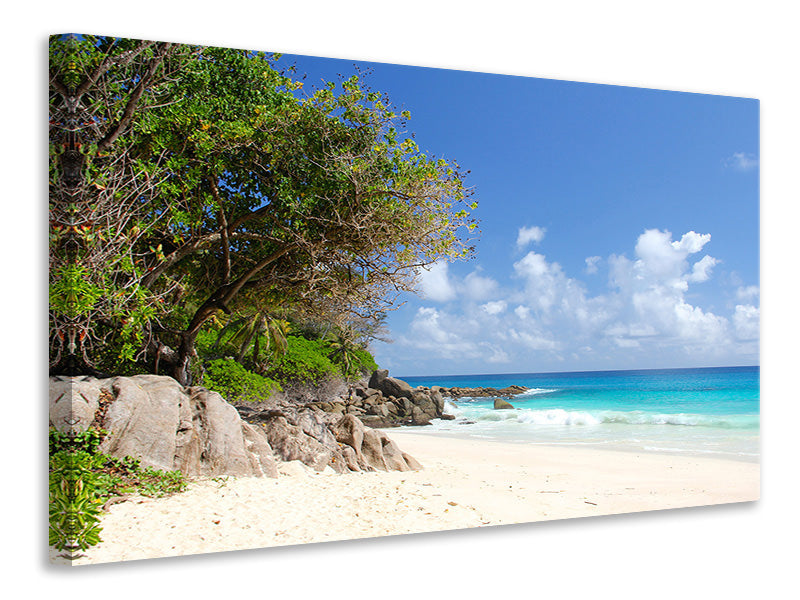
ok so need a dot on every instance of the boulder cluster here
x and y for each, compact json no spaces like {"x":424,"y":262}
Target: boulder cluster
{"x":385,"y":401}
{"x":197,"y":432}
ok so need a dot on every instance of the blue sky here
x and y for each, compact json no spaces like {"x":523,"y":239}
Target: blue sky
{"x":619,"y":226}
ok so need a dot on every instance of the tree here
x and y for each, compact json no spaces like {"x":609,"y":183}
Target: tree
{"x":221,"y":187}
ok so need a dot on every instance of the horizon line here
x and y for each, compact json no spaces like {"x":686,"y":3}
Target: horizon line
{"x":587,"y":371}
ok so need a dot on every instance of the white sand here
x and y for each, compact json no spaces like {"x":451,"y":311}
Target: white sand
{"x":465,"y":483}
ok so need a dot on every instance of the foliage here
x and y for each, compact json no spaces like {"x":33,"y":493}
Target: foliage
{"x":74,"y":520}
{"x":81,"y":479}
{"x":237,"y":384}
{"x":363,"y":363}
{"x":190,"y":181}
{"x":348,"y":353}
{"x":118,"y":476}
{"x":255,"y":333}
{"x":305,"y":361}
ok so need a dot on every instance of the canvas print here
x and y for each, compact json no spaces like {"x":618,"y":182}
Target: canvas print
{"x":296,"y":299}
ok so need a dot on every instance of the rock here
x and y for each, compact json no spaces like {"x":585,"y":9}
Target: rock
{"x":194,"y":430}
{"x":259,"y":450}
{"x":420,"y":417}
{"x":349,"y":431}
{"x":438,"y":400}
{"x":423,"y":401}
{"x":373,"y":399}
{"x":377,"y":377}
{"x":350,"y":458}
{"x":377,"y":422}
{"x":372,"y":450}
{"x":500,"y":404}
{"x":379,"y":410}
{"x":73,"y":403}
{"x":412,"y":462}
{"x":390,"y":386}
{"x":392,"y":455}
{"x":293,"y":468}
{"x":166,"y":426}
{"x":290,"y":442}
{"x":396,"y":387}
{"x":483,"y":392}
{"x":446,"y":417}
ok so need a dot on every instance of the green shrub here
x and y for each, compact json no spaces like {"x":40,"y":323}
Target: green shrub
{"x":74,"y":503}
{"x":305,"y":361}
{"x":204,"y":345}
{"x":363,"y":363}
{"x":81,"y":479}
{"x":235,"y":383}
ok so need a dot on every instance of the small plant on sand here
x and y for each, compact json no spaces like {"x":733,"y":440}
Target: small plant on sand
{"x":82,"y":479}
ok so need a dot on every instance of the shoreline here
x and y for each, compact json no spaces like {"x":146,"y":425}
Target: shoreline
{"x":599,"y":446}
{"x":464,"y":484}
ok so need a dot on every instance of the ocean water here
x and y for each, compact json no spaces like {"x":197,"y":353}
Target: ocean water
{"x":708,"y":411}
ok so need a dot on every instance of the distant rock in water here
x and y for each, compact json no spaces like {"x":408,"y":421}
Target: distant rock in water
{"x":500,"y":404}
{"x":483,"y":392}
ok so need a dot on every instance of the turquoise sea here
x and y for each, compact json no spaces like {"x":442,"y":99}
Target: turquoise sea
{"x":706,"y":411}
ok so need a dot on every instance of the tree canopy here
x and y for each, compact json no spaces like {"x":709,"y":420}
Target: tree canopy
{"x":189,"y":180}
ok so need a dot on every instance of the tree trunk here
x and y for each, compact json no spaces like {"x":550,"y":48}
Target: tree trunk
{"x":180,"y":368}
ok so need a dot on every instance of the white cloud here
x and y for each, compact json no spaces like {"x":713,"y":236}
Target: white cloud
{"x":497,"y":355}
{"x":494,"y":308}
{"x":532,"y":265}
{"x":701,"y":270}
{"x":742,"y":161}
{"x":439,"y":285}
{"x":435,"y":282}
{"x":747,"y":293}
{"x":527,"y":235}
{"x":591,"y":264}
{"x":434,"y":331}
{"x":522,"y":312}
{"x":478,"y":287}
{"x":746,"y":322}
{"x":546,"y":315}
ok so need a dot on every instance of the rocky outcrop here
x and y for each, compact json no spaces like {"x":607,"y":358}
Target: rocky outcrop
{"x":193,"y":430}
{"x":164,"y":425}
{"x":482,"y":392}
{"x":385,"y":401}
{"x":500,"y":404}
{"x":320,"y":440}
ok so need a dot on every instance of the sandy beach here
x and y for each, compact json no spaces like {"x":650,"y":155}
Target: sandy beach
{"x":465,"y":483}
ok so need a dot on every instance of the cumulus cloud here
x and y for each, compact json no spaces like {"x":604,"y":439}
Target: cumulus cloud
{"x":478,"y":287}
{"x":439,"y":285}
{"x":494,"y":308}
{"x":747,"y":293}
{"x":591,"y":264}
{"x":746,"y":321}
{"x":435,"y":282}
{"x":701,"y":270}
{"x":742,"y":161}
{"x":542,"y":312}
{"x":527,"y":235}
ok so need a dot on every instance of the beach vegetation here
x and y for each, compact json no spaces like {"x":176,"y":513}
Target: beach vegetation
{"x":82,"y":479}
{"x":236,"y":383}
{"x":194,"y":184}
